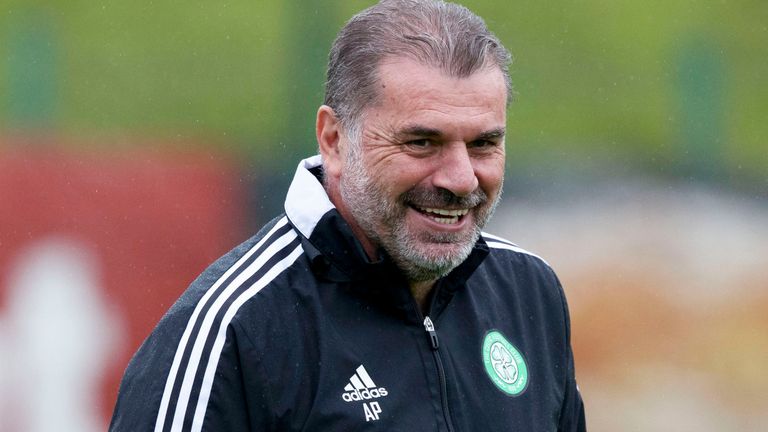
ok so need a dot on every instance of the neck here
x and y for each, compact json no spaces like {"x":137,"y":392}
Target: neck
{"x":334,"y":194}
{"x":420,"y":291}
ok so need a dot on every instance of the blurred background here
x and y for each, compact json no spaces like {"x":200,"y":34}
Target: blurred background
{"x":140,"y":140}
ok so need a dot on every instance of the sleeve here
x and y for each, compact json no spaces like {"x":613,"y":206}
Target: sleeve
{"x":189,"y":376}
{"x":572,"y":417}
{"x":215,"y":400}
{"x":233,"y":405}
{"x":143,"y":386}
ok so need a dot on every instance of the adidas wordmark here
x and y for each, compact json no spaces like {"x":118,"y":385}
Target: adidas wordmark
{"x":361,"y":387}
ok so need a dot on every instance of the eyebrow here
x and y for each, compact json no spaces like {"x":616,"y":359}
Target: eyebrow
{"x":427,"y":132}
{"x":417,"y":130}
{"x":492,"y":134}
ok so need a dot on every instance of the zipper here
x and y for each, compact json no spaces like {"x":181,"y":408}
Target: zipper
{"x":429,"y":326}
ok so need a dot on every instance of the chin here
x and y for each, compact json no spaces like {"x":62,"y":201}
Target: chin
{"x":431,"y":261}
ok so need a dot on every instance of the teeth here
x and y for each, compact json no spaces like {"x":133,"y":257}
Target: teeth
{"x":443,"y":216}
{"x":446,"y":221}
{"x":443,"y":212}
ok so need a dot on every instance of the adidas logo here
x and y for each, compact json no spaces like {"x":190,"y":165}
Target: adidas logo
{"x":361,"y":387}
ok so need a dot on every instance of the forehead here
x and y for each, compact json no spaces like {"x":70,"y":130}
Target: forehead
{"x":410,"y":91}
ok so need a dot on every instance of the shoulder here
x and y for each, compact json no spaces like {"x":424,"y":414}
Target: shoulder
{"x":251,"y":274}
{"x":501,"y":247}
{"x":515,"y":268}
{"x":524,"y":276}
{"x":188,"y":343}
{"x":255,"y":262}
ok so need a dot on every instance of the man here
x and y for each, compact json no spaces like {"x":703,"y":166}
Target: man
{"x":375,"y":302}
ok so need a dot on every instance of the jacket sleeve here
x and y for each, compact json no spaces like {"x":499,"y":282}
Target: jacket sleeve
{"x":233,"y":405}
{"x":572,"y":418}
{"x":187,"y":374}
{"x":219,"y":402}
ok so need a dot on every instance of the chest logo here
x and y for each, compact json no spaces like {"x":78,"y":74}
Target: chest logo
{"x":361,"y":388}
{"x":504,"y":364}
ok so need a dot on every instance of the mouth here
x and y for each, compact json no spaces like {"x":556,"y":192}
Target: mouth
{"x":442,"y":216}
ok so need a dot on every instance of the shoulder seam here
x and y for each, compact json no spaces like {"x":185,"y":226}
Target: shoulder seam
{"x":202,"y":341}
{"x":495,"y":242}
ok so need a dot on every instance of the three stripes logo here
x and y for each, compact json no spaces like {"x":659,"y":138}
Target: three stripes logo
{"x":362,"y":388}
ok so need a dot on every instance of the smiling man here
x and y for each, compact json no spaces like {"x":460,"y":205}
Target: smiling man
{"x":425,"y":171}
{"x":376,"y":302}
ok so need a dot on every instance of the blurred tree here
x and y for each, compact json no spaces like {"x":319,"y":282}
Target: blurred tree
{"x":599,"y":84}
{"x":308,"y":39}
{"x":32,"y":70}
{"x":700,"y":79}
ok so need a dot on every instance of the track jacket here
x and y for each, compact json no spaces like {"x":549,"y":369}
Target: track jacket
{"x":296,"y":330}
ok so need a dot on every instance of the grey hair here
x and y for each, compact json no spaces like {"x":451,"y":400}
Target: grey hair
{"x":432,"y":32}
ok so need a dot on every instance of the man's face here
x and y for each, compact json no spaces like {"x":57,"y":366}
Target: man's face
{"x":430,"y":165}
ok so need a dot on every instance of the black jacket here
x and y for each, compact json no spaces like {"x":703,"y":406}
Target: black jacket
{"x":296,"y":330}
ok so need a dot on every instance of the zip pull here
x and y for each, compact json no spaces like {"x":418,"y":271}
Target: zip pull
{"x":430,"y":328}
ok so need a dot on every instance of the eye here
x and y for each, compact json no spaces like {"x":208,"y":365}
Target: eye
{"x":481,"y":144}
{"x":421,"y":142}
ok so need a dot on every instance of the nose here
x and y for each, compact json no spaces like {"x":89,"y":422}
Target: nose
{"x":455,"y":171}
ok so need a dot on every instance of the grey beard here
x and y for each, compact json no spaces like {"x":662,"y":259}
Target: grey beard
{"x":381,"y":220}
{"x":419,"y":268}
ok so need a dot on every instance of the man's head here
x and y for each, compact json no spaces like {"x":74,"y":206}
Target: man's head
{"x":412,"y":133}
{"x":443,"y":35}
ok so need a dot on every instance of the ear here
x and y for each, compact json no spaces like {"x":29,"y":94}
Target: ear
{"x":329,"y":137}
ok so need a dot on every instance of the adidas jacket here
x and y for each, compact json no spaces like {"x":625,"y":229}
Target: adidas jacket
{"x":295,"y":330}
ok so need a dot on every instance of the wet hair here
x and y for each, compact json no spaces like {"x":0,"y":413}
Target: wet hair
{"x":435,"y":33}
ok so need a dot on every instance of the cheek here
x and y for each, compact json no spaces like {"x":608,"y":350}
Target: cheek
{"x":397,"y":177}
{"x":490,"y":174}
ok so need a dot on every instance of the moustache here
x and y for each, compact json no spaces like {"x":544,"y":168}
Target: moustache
{"x":443,"y":198}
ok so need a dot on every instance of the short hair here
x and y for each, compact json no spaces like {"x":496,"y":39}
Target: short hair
{"x":432,"y":32}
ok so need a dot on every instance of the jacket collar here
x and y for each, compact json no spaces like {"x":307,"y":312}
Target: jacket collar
{"x":334,"y":251}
